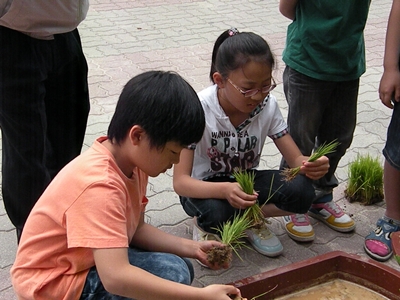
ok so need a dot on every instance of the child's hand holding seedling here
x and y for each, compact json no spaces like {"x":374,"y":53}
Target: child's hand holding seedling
{"x":233,"y":231}
{"x":316,"y":169}
{"x":238,"y":198}
{"x":316,"y":166}
{"x":245,"y":186}
{"x":204,"y":251}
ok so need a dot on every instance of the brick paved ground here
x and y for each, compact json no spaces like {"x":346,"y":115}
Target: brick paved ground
{"x":124,"y":38}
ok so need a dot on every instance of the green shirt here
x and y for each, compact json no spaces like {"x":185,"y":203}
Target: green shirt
{"x":326,"y":40}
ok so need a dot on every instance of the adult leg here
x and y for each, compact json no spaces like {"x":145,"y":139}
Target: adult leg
{"x":338,"y":123}
{"x":67,"y":101}
{"x":44,"y":107}
{"x":164,"y":265}
{"x":316,"y":108}
{"x":23,"y":68}
{"x":320,"y":112}
{"x":305,"y":97}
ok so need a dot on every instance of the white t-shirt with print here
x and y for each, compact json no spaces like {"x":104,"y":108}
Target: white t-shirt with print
{"x":223,"y":148}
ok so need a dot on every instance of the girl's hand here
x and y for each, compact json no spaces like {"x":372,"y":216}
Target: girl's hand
{"x":201,"y":254}
{"x":237,"y":198}
{"x":315,"y":170}
{"x":220,"y":292}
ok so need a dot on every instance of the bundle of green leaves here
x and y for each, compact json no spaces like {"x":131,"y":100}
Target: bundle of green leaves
{"x":365,"y":180}
{"x":246,"y":182}
{"x":232,"y":233}
{"x":324,"y":149}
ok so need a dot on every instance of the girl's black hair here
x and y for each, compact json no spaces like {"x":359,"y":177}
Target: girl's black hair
{"x":232,"y":50}
{"x":164,"y":105}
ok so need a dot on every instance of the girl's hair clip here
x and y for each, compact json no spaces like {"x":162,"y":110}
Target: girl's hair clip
{"x":233,"y":31}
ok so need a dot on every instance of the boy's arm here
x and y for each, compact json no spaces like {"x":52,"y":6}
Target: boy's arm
{"x":390,"y":81}
{"x":120,"y":278}
{"x":288,"y":8}
{"x":187,"y":186}
{"x":291,"y":153}
{"x":153,"y":239}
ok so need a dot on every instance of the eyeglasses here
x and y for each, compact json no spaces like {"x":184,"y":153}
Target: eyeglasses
{"x":250,"y":93}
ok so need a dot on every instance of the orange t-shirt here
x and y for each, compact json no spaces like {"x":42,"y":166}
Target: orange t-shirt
{"x":89,"y":204}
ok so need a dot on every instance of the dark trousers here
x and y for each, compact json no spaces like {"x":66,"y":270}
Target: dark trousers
{"x":321,"y":111}
{"x":44,"y":105}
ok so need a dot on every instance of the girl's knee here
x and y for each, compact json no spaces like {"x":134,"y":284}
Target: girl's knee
{"x":301,"y":194}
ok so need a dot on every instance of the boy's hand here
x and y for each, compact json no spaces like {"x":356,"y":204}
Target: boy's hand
{"x":315,"y":170}
{"x":201,"y":254}
{"x":221,"y":292}
{"x":237,"y":198}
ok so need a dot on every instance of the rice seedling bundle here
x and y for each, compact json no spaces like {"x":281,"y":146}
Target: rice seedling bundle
{"x":324,"y":149}
{"x":365,"y":180}
{"x":233,"y":231}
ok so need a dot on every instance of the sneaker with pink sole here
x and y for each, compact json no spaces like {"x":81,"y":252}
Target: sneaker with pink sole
{"x":332,"y":215}
{"x":299,"y":228}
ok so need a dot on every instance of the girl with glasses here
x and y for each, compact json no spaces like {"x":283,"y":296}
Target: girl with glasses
{"x":240,"y":114}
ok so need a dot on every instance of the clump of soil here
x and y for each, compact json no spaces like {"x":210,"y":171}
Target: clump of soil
{"x":362,"y":199}
{"x":221,"y":255}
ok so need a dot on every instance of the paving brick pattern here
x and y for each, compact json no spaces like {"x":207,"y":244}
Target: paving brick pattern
{"x":124,"y":38}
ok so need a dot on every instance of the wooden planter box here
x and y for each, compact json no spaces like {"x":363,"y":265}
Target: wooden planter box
{"x":320,"y":269}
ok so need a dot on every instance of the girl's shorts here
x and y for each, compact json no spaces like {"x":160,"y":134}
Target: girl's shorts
{"x":392,"y":147}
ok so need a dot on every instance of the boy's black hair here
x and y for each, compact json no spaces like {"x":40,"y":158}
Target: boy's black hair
{"x":164,"y":105}
{"x":232,"y":50}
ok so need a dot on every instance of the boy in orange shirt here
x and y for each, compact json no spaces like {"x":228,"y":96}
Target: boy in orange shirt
{"x":86,"y":237}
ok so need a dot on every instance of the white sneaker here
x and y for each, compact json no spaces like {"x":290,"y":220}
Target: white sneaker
{"x":332,"y":215}
{"x":298,"y":227}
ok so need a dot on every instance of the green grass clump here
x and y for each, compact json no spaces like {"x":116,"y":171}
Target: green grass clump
{"x":290,"y":173}
{"x":365,"y":182}
{"x":233,"y":231}
{"x":245,"y":180}
{"x":253,"y":213}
